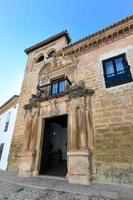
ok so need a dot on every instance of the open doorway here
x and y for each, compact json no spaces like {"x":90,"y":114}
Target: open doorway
{"x":54,"y":148}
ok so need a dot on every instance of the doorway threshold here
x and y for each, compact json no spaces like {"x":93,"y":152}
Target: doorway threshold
{"x":52,"y":177}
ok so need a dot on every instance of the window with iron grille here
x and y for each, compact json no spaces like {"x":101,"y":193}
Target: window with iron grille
{"x":116,"y":71}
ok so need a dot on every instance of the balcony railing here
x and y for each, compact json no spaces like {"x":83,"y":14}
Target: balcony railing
{"x":118,"y":78}
{"x":45,"y":92}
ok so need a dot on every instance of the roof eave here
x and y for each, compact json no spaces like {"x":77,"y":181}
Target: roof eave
{"x":49,"y":40}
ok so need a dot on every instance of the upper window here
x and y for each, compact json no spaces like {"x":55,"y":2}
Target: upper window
{"x":58,"y":86}
{"x":116,"y":71}
{"x":40,"y":59}
{"x":7,"y":121}
{"x":51,"y":54}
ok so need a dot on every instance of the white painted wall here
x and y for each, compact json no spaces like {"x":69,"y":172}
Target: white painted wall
{"x":6,"y":137}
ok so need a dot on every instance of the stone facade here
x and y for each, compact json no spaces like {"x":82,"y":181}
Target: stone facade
{"x":100,"y":119}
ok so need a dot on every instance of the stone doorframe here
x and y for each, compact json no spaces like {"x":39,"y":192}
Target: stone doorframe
{"x":80,"y":154}
{"x":39,"y":142}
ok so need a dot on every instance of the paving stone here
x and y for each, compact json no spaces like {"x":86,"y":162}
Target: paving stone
{"x":13,"y":187}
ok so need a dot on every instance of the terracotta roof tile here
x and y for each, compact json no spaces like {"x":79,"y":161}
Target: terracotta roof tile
{"x":49,"y":40}
{"x":100,"y":31}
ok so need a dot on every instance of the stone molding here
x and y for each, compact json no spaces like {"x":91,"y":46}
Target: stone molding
{"x":49,"y":40}
{"x":79,"y":91}
{"x":103,"y":37}
{"x":9,"y":104}
{"x":78,"y":153}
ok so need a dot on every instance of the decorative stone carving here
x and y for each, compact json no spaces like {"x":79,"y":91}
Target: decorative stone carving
{"x":54,"y":108}
{"x":69,"y":59}
{"x":44,"y":74}
{"x":44,"y":111}
{"x":32,"y":103}
{"x":79,"y":90}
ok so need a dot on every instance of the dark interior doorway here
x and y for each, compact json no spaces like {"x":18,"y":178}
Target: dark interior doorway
{"x":54,"y":148}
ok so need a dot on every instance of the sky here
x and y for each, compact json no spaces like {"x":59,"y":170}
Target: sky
{"x":26,"y":22}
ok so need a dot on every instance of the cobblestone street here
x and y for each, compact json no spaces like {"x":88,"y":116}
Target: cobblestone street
{"x":13,"y":187}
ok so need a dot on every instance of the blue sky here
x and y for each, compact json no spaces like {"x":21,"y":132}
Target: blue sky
{"x":26,"y":22}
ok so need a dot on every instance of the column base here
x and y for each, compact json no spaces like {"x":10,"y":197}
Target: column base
{"x":78,"y":167}
{"x":35,"y":173}
{"x":26,"y":163}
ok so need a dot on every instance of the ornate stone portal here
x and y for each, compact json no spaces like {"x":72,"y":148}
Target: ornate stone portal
{"x":77,"y":105}
{"x":80,"y":135}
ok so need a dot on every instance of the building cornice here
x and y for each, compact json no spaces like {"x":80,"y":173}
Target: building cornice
{"x":101,"y":38}
{"x":9,"y":104}
{"x":49,"y":40}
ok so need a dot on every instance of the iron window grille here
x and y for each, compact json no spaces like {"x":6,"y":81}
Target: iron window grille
{"x":116,"y":71}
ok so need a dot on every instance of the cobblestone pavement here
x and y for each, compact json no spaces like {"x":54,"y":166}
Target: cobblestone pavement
{"x":13,"y":187}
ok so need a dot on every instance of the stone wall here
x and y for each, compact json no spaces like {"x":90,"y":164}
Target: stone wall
{"x":112,"y":111}
{"x":28,"y":88}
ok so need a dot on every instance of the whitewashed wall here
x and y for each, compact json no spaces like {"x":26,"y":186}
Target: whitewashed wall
{"x":6,"y":137}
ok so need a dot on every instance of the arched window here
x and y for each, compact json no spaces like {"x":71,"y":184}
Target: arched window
{"x":51,"y":54}
{"x":40,"y":59}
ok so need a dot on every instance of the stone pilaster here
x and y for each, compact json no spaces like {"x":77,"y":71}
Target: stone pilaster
{"x":32,"y":143}
{"x":26,"y":166}
{"x":27,"y":130}
{"x":82,"y":128}
{"x":90,"y":134}
{"x":73,"y":135}
{"x":78,"y":168}
{"x":27,"y":163}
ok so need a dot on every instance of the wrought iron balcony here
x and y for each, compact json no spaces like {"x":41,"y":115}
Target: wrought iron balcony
{"x":118,"y":78}
{"x":55,"y":88}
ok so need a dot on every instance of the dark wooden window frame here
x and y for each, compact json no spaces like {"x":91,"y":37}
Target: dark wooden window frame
{"x":47,"y":89}
{"x":58,"y":80}
{"x":118,"y":77}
